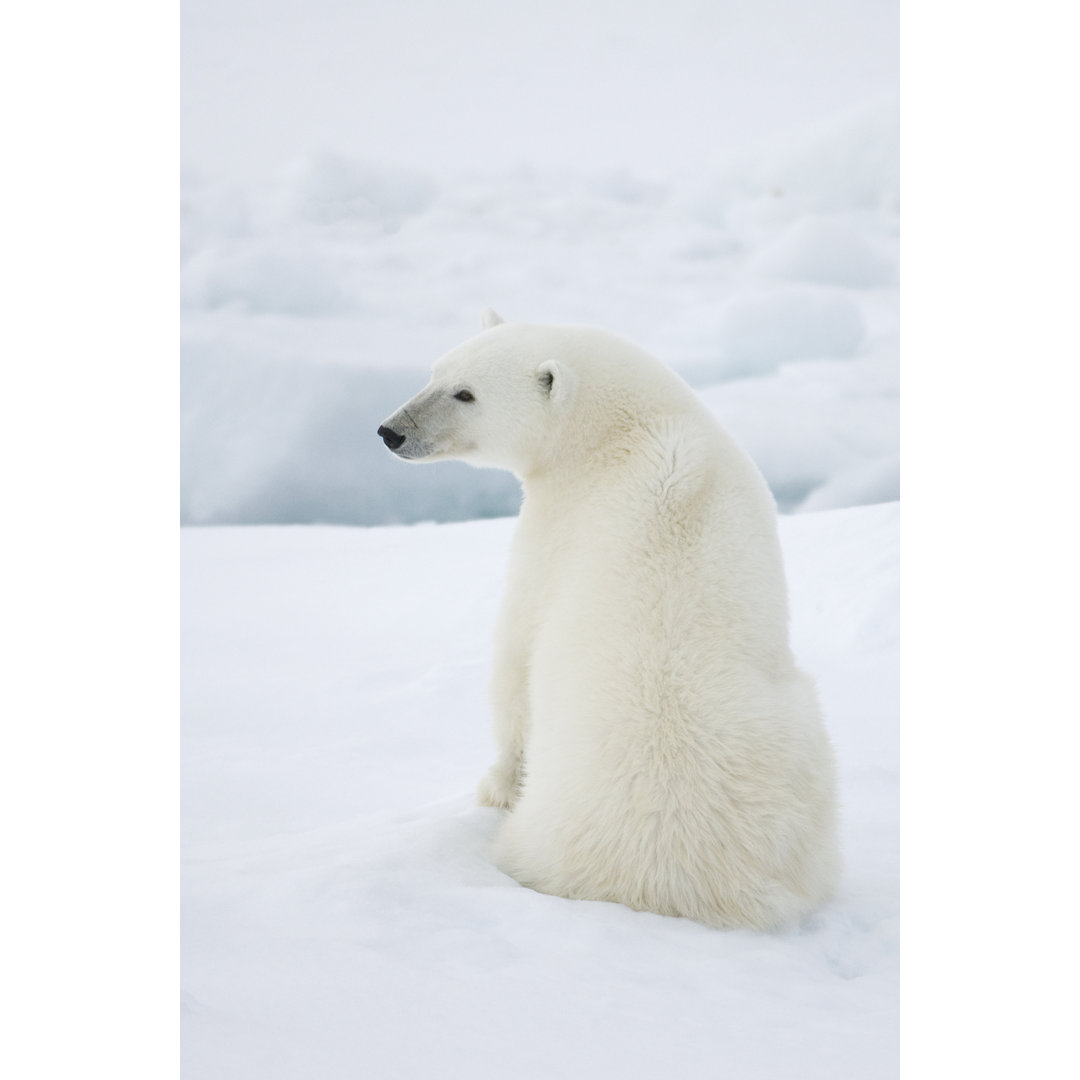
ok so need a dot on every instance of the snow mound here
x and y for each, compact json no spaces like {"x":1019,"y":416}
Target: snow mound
{"x":850,"y":161}
{"x":341,"y":913}
{"x":869,"y":482}
{"x":812,"y":422}
{"x":758,"y":331}
{"x":828,"y":251}
{"x":269,"y":277}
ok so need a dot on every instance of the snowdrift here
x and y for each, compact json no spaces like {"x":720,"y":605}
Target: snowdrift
{"x":341,"y":915}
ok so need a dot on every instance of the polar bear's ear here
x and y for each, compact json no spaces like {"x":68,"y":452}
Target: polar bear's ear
{"x":556,"y":381}
{"x":490,"y":318}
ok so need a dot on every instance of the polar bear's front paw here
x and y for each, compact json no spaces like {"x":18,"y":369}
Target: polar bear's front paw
{"x":501,"y":786}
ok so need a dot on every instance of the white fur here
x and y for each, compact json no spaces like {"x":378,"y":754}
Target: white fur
{"x":658,"y":745}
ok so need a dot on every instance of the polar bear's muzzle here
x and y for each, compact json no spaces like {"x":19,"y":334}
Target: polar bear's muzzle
{"x":408,"y":438}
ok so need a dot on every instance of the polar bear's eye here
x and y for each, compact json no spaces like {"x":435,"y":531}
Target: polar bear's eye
{"x":464,"y":395}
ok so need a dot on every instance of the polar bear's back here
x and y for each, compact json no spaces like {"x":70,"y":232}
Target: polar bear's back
{"x":677,"y":761}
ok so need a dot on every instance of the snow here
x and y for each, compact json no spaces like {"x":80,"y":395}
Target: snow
{"x":873,"y":481}
{"x":341,"y":915}
{"x":760,"y":330}
{"x":315,"y":302}
{"x":827,"y":250}
{"x":812,"y":427}
{"x":717,"y":183}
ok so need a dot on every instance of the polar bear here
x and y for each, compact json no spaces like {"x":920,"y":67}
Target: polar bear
{"x":658,"y":746}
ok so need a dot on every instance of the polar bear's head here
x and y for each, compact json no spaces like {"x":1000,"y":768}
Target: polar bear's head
{"x":501,"y":399}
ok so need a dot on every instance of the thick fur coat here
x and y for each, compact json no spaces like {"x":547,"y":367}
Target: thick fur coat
{"x":658,"y":746}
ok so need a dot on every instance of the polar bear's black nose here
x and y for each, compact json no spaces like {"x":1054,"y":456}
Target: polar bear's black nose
{"x":391,"y":438}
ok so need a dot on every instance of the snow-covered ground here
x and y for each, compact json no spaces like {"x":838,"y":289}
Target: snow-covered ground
{"x":341,"y":915}
{"x":350,"y":205}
